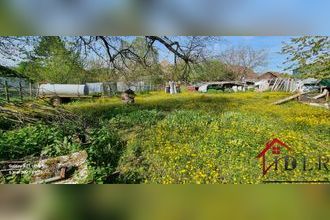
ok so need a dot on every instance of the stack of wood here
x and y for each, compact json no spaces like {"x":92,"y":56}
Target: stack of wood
{"x":307,"y":99}
{"x":287,"y":85}
{"x":33,"y":112}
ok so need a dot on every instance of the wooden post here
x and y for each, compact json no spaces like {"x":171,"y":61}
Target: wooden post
{"x":7,"y":92}
{"x":20,"y":91}
{"x":37,"y":93}
{"x":30,"y":89}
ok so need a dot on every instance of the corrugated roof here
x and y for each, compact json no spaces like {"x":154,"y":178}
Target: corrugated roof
{"x":325,"y":82}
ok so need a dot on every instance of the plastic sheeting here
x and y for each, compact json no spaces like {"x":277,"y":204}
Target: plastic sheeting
{"x":63,"y":90}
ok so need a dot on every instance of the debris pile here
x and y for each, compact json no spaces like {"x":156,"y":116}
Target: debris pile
{"x":68,"y":169}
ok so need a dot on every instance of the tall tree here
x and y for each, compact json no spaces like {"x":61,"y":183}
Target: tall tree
{"x":14,"y":48}
{"x":132,"y":69}
{"x":309,"y":55}
{"x":188,"y":50}
{"x":245,"y":57}
{"x":212,"y":70}
{"x":53,"y":62}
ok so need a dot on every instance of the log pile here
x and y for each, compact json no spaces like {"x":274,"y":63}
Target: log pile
{"x":287,"y":85}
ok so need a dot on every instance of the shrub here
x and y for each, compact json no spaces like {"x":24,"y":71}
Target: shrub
{"x":104,"y":150}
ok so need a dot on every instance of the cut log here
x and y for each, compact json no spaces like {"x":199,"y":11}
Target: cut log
{"x":288,"y":99}
{"x":326,"y":105}
{"x":324,"y":93}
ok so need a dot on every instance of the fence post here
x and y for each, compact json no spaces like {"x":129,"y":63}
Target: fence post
{"x":37,"y":92}
{"x":6,"y":91}
{"x":20,"y":91}
{"x":30,"y":89}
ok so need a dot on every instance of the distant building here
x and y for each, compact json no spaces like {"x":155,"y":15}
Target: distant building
{"x":243,"y":72}
{"x":269,"y":76}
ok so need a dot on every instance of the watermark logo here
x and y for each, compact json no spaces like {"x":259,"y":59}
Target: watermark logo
{"x":275,"y":147}
{"x":278,"y":155}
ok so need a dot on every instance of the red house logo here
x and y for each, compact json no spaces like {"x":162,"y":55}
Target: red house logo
{"x":275,"y":146}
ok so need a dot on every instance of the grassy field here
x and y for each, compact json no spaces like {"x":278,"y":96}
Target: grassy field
{"x":183,"y":138}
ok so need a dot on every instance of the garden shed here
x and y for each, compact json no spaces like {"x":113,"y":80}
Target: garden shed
{"x":325,"y":84}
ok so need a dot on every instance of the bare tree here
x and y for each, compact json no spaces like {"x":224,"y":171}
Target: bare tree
{"x":15,"y":48}
{"x":118,"y":51}
{"x":188,"y":50}
{"x":243,"y":59}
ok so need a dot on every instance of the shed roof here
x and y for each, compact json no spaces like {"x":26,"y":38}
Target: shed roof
{"x":275,"y":74}
{"x":325,"y":82}
{"x":8,"y":72}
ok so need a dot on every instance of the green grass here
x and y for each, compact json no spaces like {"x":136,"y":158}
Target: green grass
{"x":193,"y":137}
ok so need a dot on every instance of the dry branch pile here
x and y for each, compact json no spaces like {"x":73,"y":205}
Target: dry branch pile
{"x":33,"y":112}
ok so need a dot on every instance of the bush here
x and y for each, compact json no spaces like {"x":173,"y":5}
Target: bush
{"x":39,"y":140}
{"x":27,"y":141}
{"x":104,"y":150}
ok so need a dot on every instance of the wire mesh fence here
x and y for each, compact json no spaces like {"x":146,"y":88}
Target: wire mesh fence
{"x":12,"y":90}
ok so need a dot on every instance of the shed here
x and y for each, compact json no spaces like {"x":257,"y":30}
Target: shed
{"x":309,"y":84}
{"x":325,"y":83}
{"x":234,"y":85}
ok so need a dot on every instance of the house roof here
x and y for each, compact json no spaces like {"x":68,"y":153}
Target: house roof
{"x":310,"y":81}
{"x":275,"y":74}
{"x":165,"y":63}
{"x":8,"y":72}
{"x":250,"y":74}
{"x":224,"y":82}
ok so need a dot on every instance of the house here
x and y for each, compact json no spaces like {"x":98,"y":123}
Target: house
{"x":269,"y":76}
